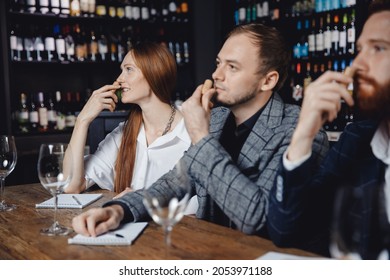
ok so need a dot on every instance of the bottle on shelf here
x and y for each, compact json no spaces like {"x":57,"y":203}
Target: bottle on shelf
{"x":60,"y":113}
{"x":84,"y":8}
{"x":59,"y":43}
{"x":29,"y":44}
{"x":70,"y":118}
{"x":335,"y":35}
{"x":31,"y":6}
{"x":80,"y":43}
{"x":93,"y":48}
{"x":102,"y":45}
{"x":75,"y":9}
{"x":135,"y":10}
{"x":55,"y":7}
{"x":33,"y":114}
{"x":327,"y":36}
{"x":65,"y":7}
{"x":101,"y":9}
{"x":16,"y":43}
{"x":311,"y":39}
{"x":23,"y":114}
{"x":69,"y":44}
{"x":343,"y":35}
{"x":44,"y":6}
{"x":50,"y":44}
{"x":51,"y":113}
{"x":351,"y":34}
{"x":320,"y":38}
{"x":42,"y":113}
{"x":39,"y":45}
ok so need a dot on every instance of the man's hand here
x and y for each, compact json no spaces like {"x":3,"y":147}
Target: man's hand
{"x":97,"y":221}
{"x":196,"y":112}
{"x":321,"y":103}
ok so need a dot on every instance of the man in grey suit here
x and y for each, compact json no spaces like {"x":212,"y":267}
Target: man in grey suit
{"x":236,"y":148}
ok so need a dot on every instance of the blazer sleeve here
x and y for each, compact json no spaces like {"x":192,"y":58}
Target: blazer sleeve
{"x":241,"y":194}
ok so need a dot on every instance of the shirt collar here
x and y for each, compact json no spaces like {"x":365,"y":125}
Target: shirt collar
{"x":179,"y":131}
{"x":380,"y":143}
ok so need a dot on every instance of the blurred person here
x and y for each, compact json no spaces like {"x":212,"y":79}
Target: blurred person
{"x":236,"y":147}
{"x":302,"y":200}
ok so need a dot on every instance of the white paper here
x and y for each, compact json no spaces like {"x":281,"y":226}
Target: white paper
{"x":124,"y":235}
{"x":78,"y":201}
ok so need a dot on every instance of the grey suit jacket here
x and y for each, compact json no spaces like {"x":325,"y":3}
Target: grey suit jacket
{"x":240,"y":189}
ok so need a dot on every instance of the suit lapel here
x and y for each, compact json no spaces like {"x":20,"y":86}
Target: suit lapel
{"x":262,"y":132}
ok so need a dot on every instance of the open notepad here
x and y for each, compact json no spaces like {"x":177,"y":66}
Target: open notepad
{"x":124,"y":235}
{"x":70,"y":201}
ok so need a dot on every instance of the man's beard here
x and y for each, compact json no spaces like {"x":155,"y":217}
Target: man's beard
{"x":231,"y":103}
{"x":373,"y":102}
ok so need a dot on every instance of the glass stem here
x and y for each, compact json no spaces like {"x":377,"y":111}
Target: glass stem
{"x":55,"y":209}
{"x":2,"y":183}
{"x":167,"y":235}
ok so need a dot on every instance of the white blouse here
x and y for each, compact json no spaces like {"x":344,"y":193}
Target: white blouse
{"x":151,"y":161}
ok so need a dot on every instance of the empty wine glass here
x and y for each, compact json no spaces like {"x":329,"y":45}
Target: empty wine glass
{"x":8,"y":158}
{"x":360,"y":226}
{"x":167,"y":208}
{"x":54,"y":175}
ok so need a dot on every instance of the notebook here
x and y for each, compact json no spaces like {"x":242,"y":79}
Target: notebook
{"x":124,"y":235}
{"x":70,"y":201}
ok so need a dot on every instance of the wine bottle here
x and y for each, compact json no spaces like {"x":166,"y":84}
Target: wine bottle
{"x":23,"y":114}
{"x":145,"y":15}
{"x":16,"y":43}
{"x":327,"y":37}
{"x":39,"y":45}
{"x":42,"y":113}
{"x":75,"y":9}
{"x":335,"y":35}
{"x":343,"y":36}
{"x":55,"y":7}
{"x":65,"y":7}
{"x":351,"y":33}
{"x":102,"y":45}
{"x":320,"y":38}
{"x":49,"y":44}
{"x":59,"y":107}
{"x":51,"y":113}
{"x":93,"y":47}
{"x":69,"y":44}
{"x":29,"y":44}
{"x":44,"y":6}
{"x":33,"y":114}
{"x":60,"y":43}
{"x":31,"y":6}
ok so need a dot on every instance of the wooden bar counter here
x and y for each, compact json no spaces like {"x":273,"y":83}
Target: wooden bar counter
{"x":191,"y":238}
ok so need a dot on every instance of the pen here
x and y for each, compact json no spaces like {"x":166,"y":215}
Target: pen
{"x":75,"y":199}
{"x":116,"y":235}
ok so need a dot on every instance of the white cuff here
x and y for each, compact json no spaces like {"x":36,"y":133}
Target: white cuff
{"x":291,"y":165}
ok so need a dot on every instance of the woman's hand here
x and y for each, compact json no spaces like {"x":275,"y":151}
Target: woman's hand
{"x":101,"y":99}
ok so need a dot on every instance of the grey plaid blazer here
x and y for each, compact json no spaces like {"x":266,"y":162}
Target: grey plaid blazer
{"x":240,"y":189}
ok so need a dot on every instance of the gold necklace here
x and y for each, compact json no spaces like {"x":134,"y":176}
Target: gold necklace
{"x":172,"y":117}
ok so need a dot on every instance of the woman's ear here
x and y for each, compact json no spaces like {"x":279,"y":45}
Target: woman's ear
{"x":270,"y":81}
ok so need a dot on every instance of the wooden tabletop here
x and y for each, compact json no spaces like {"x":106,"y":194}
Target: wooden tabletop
{"x":191,"y":238}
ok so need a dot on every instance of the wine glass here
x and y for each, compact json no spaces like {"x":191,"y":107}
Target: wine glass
{"x":358,"y":231}
{"x":167,"y":208}
{"x":8,"y":158}
{"x":55,"y":174}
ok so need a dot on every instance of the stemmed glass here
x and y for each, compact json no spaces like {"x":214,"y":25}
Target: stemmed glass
{"x":167,"y":208}
{"x":55,"y":174}
{"x":8,"y":158}
{"x":352,"y":231}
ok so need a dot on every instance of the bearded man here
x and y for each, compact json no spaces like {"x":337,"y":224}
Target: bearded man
{"x":303,"y":197}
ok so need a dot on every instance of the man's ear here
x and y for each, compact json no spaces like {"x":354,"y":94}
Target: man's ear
{"x":270,"y":80}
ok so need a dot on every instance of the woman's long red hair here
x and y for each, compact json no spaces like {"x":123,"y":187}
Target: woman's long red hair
{"x":158,"y":66}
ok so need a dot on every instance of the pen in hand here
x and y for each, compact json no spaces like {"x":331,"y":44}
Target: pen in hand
{"x":76,"y":199}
